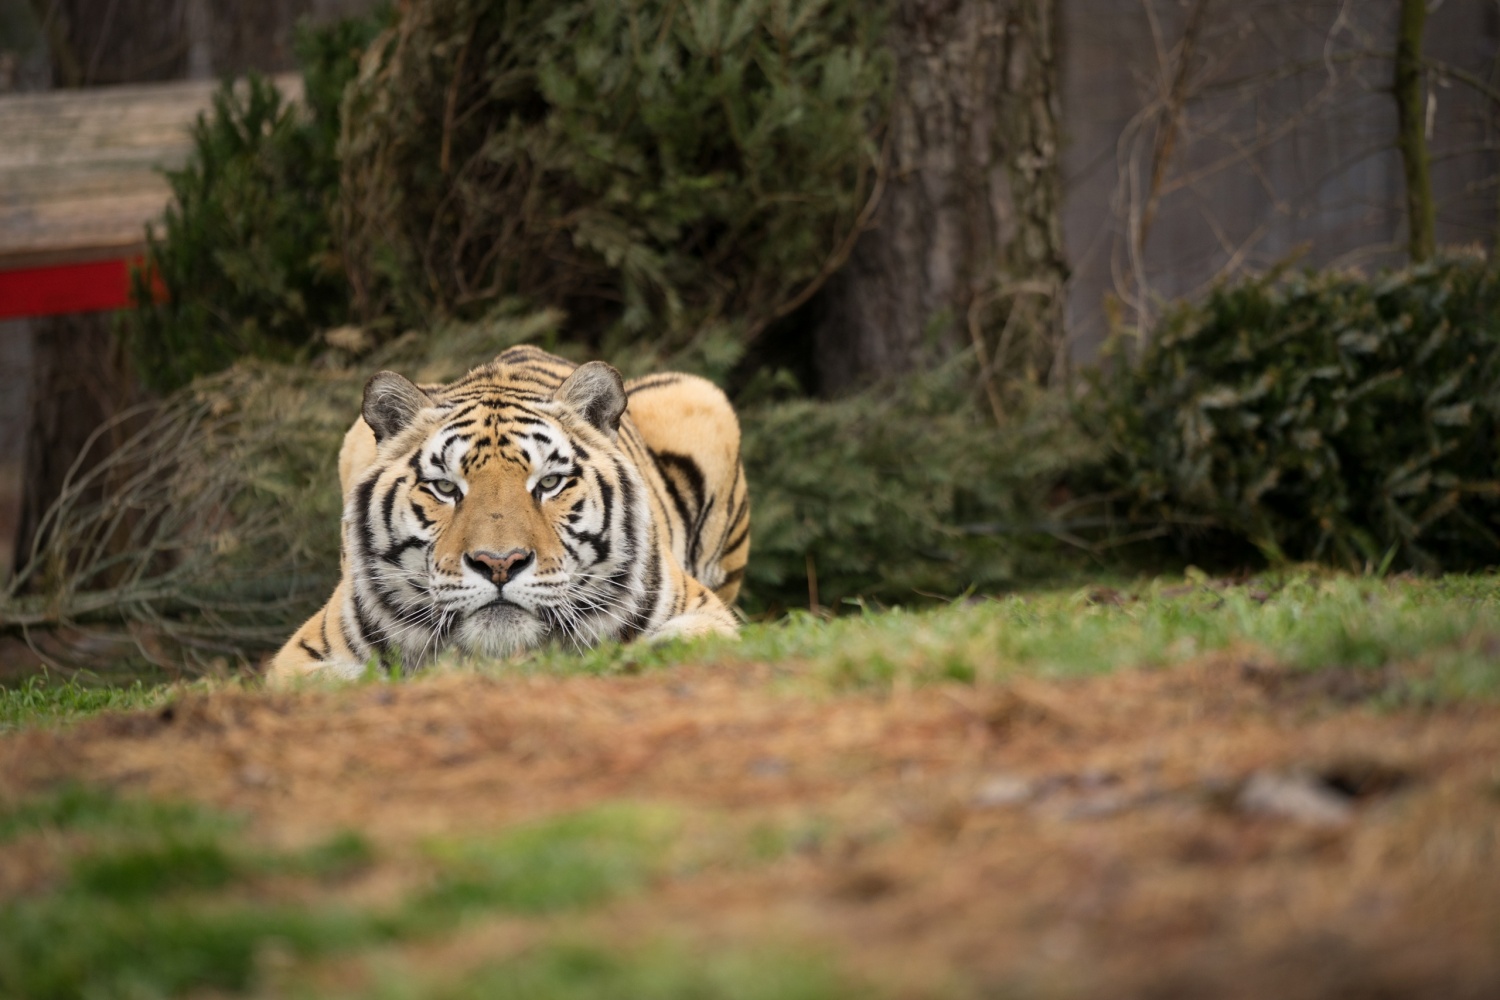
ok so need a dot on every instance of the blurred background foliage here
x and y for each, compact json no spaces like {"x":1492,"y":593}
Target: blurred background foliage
{"x":671,"y":174}
{"x":663,"y":183}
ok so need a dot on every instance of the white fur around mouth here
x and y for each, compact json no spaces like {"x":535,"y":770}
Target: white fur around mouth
{"x":500,"y":629}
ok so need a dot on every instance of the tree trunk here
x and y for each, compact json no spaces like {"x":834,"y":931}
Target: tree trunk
{"x":80,"y":378}
{"x":966,"y":248}
{"x":1411,"y":138}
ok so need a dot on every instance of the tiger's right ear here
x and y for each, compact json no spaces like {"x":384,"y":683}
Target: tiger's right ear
{"x":597,"y":392}
{"x":391,"y":403}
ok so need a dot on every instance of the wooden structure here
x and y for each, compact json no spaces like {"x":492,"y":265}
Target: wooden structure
{"x":80,"y":176}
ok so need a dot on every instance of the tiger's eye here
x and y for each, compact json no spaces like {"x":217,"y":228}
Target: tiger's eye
{"x":444,"y":487}
{"x":549,"y":482}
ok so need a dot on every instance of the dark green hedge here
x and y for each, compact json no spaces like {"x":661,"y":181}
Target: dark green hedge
{"x":1324,"y":417}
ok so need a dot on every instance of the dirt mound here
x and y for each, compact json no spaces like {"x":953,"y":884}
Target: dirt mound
{"x":1213,"y":830}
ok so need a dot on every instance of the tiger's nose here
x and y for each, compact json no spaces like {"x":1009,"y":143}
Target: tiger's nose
{"x":500,"y":568}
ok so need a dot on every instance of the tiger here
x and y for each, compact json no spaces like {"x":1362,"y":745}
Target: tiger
{"x":527,"y":503}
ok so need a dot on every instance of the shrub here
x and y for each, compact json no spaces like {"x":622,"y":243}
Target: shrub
{"x":1323,"y":417}
{"x":663,"y":171}
{"x":246,"y":252}
{"x":901,"y":491}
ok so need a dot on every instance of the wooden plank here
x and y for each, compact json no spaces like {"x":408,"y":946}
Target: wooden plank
{"x":80,"y":170}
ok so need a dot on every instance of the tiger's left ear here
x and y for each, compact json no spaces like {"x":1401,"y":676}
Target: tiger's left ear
{"x":597,"y":392}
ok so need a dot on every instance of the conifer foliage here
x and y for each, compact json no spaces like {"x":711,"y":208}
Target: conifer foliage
{"x":246,"y":249}
{"x":667,"y":171}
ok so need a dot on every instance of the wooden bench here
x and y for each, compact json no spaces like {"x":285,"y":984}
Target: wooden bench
{"x":80,"y":176}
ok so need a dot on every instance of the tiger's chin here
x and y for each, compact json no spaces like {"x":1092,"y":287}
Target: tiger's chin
{"x":501,"y":630}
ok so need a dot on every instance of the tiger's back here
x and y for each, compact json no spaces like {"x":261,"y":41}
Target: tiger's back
{"x":686,"y":439}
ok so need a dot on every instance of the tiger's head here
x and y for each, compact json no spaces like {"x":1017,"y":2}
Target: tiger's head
{"x":496,"y":517}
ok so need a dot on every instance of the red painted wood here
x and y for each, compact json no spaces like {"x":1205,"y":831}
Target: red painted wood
{"x":67,"y":288}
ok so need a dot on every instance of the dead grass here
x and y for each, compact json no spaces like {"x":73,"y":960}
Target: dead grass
{"x":1086,"y":837}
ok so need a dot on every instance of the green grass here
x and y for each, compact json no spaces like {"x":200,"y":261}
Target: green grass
{"x":571,"y":971}
{"x":39,"y":700}
{"x":78,"y":808}
{"x":1301,"y":620}
{"x":565,"y":862}
{"x":1448,"y":626}
{"x":77,"y":945}
{"x":157,"y":899}
{"x":137,"y":873}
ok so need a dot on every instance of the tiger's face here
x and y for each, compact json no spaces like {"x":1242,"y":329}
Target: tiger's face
{"x":497,"y":522}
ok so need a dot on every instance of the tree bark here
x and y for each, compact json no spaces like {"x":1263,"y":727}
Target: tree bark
{"x":1411,"y":137}
{"x":966,"y":247}
{"x":80,"y":378}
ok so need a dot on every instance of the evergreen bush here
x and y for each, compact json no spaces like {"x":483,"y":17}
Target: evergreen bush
{"x":1322,"y":417}
{"x":667,"y":171}
{"x":902,"y":491}
{"x":246,"y":253}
